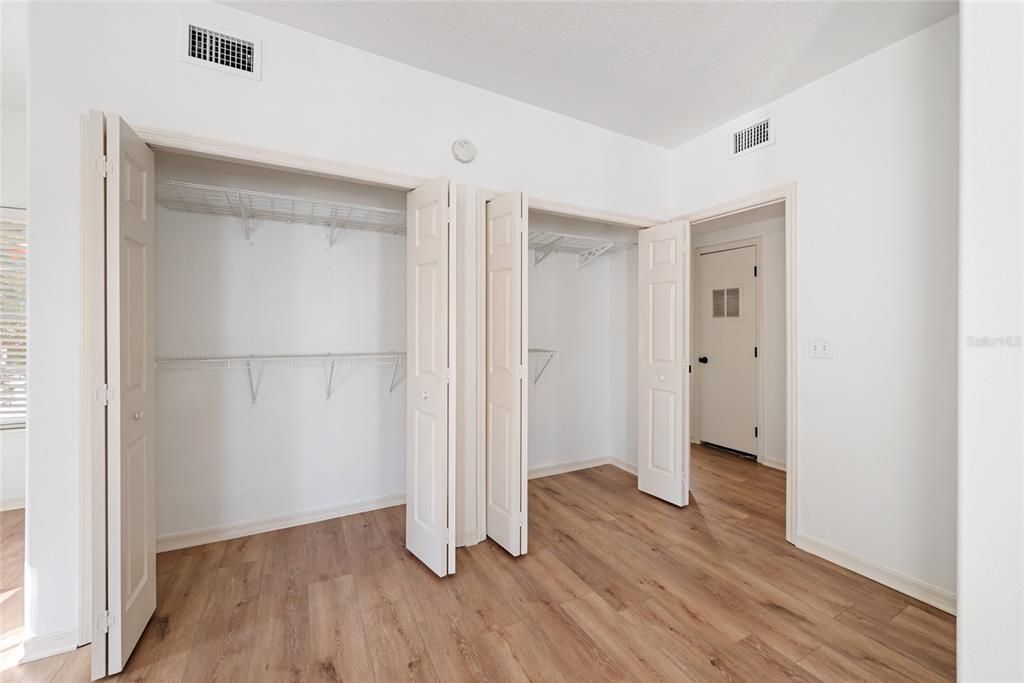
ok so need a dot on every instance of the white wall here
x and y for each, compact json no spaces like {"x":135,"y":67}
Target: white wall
{"x":13,"y":193}
{"x":13,"y":159}
{"x":769,"y":224}
{"x":316,"y":98}
{"x":569,"y":313}
{"x":990,"y":595}
{"x":873,"y":150}
{"x":222,"y":461}
{"x":622,"y":355}
{"x":584,"y":406}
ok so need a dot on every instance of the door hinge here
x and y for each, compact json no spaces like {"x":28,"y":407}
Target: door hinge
{"x":689,"y":368}
{"x":451,"y":215}
{"x":755,"y":271}
{"x":104,"y":622}
{"x":755,"y":352}
{"x":104,"y":395}
{"x":103,"y":166}
{"x":755,"y":432}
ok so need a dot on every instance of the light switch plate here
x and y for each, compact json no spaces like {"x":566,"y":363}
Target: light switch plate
{"x":821,"y":347}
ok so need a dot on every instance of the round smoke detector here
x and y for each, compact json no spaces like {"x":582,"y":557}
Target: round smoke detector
{"x":463,"y":150}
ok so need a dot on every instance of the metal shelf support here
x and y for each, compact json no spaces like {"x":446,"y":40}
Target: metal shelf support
{"x":591,"y":254}
{"x":542,"y":358}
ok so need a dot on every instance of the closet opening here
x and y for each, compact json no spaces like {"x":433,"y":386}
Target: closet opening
{"x":266,"y":347}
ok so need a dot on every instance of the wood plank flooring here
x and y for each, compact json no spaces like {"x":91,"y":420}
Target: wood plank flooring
{"x":616,"y":586}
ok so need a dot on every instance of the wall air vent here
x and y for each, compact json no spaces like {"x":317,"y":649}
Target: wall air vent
{"x":753,"y":137}
{"x":218,"y":50}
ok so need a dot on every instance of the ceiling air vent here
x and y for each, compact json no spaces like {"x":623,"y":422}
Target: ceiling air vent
{"x":752,"y":137}
{"x":233,"y":54}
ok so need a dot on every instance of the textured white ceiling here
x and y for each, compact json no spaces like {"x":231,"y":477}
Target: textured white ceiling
{"x":662,"y":72}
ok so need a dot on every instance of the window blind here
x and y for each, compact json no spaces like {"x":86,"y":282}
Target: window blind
{"x":13,"y":370}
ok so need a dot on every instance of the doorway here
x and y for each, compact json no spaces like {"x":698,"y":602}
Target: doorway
{"x":744,"y":356}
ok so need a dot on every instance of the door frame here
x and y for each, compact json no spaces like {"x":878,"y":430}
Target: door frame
{"x":787,"y":194}
{"x":694,"y":333}
{"x":92,"y":430}
{"x":484,"y":195}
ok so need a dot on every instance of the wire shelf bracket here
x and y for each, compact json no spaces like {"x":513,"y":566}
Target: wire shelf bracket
{"x":542,"y":358}
{"x":585,"y":249}
{"x":254,"y":366}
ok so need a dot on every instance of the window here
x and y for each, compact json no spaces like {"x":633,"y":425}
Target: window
{"x":725,"y":303}
{"x":13,"y":271}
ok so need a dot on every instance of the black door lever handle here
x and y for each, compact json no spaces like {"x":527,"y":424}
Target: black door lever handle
{"x":703,"y":359}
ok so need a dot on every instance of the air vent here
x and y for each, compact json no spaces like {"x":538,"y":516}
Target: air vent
{"x":752,"y":137}
{"x":219,"y":50}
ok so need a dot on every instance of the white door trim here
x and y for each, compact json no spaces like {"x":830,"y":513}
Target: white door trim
{"x":694,"y":331}
{"x":787,"y":194}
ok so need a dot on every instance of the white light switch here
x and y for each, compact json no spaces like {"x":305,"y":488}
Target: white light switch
{"x":821,"y":347}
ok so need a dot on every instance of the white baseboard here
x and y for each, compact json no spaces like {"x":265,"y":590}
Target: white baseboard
{"x":187,"y":539}
{"x":563,"y":467}
{"x":11,"y":504}
{"x":49,"y":644}
{"x":623,"y":465}
{"x":775,"y":464}
{"x":908,"y":585}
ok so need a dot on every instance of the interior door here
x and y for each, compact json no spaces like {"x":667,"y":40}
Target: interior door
{"x":726,"y":348}
{"x":131,"y":481}
{"x":430,"y":403}
{"x":663,"y":462}
{"x":507,"y":349}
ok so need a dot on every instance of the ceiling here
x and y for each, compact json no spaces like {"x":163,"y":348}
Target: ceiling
{"x":664,"y":72}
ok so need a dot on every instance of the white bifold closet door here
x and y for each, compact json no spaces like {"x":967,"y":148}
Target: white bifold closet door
{"x":506,"y":244}
{"x":130,"y":539}
{"x":430,"y":404}
{"x":663,"y":457}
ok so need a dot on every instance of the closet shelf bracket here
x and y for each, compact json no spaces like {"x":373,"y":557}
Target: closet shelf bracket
{"x":591,"y":254}
{"x":542,"y":358}
{"x":254,"y":383}
{"x":542,"y":252}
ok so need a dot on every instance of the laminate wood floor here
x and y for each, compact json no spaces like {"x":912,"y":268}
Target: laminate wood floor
{"x":616,"y":586}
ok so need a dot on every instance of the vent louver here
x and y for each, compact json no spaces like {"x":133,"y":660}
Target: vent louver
{"x":222,"y":51}
{"x":752,"y":137}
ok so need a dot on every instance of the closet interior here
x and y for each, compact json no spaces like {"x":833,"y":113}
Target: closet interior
{"x":582,"y":334}
{"x":280,"y":303}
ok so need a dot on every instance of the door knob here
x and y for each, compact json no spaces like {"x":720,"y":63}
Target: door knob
{"x":703,"y":359}
{"x":661,"y":378}
{"x":424,"y":396}
{"x":137,"y":416}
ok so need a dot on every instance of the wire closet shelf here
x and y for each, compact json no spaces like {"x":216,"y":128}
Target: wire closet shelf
{"x":254,"y":365}
{"x":586,"y":249}
{"x":250,"y":206}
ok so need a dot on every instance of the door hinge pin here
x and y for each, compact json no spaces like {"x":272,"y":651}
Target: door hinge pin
{"x":103,"y":166}
{"x":104,"y":395}
{"x":104,"y":621}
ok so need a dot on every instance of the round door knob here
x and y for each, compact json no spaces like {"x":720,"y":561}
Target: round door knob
{"x":424,"y":396}
{"x":137,"y":416}
{"x":661,"y":378}
{"x":703,"y":359}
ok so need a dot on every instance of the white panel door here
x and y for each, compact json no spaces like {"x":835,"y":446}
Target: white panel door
{"x":506,"y":243}
{"x":663,"y":458}
{"x":131,"y":480}
{"x":726,"y":357}
{"x":430,"y":413}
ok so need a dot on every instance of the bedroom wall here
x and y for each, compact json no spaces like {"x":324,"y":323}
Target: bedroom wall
{"x":875,"y":167}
